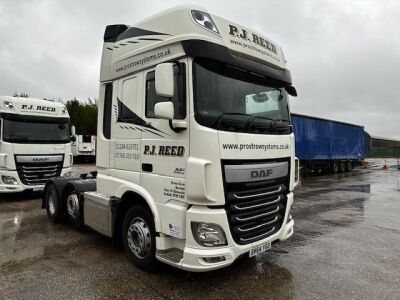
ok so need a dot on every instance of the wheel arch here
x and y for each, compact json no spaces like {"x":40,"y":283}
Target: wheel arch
{"x":128,"y":198}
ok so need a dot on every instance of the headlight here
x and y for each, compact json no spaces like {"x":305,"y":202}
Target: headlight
{"x":9,"y":180}
{"x":204,"y":20}
{"x":208,"y":234}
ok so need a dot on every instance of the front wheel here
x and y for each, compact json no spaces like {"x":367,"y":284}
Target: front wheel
{"x":139,"y":238}
{"x":53,"y":204}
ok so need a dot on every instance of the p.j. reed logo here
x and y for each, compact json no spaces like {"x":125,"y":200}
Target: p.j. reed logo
{"x":38,"y":108}
{"x":251,"y":37}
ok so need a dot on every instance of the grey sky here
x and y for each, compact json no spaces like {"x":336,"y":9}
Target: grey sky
{"x":344,"y":55}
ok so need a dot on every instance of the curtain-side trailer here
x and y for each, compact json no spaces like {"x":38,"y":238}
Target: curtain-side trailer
{"x":323,"y":144}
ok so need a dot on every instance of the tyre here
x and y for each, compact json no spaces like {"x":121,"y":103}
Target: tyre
{"x":342,"y":167}
{"x":139,"y":238}
{"x":335,"y":167}
{"x":349,"y":166}
{"x":74,"y":208}
{"x":53,"y":204}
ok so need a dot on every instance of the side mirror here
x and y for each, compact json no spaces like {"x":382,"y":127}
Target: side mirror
{"x":164,"y":80}
{"x":164,"y":110}
{"x":291,"y":90}
{"x":73,"y":131}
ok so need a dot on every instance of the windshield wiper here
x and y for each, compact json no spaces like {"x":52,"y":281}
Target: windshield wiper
{"x":251,"y":119}
{"x":271,"y":127}
{"x":218,"y":121}
{"x":280,"y":120}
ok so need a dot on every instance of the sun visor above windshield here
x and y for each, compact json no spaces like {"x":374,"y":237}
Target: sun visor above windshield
{"x":200,"y":48}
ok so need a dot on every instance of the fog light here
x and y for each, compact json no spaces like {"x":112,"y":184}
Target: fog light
{"x":208,"y":234}
{"x":213,"y":260}
{"x":204,"y":20}
{"x":9,"y":180}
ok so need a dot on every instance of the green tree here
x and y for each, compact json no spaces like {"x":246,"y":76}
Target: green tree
{"x":83,"y":115}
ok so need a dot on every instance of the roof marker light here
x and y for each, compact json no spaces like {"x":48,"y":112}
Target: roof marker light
{"x":204,"y":20}
{"x":9,"y":105}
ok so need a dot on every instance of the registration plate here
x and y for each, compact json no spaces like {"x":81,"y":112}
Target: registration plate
{"x":259,"y":249}
{"x":38,"y":188}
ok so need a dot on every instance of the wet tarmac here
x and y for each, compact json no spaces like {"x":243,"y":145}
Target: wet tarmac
{"x":346,"y":246}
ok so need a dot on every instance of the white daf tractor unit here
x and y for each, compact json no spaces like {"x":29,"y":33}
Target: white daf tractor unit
{"x":195,"y":151}
{"x":34,"y":143}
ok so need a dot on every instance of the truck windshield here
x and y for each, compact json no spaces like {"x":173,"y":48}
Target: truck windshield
{"x":29,"y":132}
{"x":230,"y":99}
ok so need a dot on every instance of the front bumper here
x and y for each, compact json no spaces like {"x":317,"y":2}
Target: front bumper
{"x":20,"y":187}
{"x":194,"y":254}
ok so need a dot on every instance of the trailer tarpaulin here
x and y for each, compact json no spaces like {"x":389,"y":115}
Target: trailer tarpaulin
{"x":320,"y":139}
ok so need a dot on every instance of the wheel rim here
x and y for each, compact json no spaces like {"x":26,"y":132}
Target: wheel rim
{"x":73,"y":205}
{"x":51,"y":200}
{"x":335,"y":167}
{"x":342,"y":167}
{"x":349,"y":166}
{"x":139,"y":238}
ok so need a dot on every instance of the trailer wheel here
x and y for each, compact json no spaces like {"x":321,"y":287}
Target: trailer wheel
{"x":335,"y":167}
{"x":139,"y":238}
{"x":53,"y":204}
{"x":74,"y":209}
{"x":342,"y":167}
{"x":349,"y":166}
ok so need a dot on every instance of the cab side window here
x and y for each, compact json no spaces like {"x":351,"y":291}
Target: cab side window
{"x":107,"y":110}
{"x":179,"y":98}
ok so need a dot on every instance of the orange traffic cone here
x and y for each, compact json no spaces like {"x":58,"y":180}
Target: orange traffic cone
{"x":385,"y":166}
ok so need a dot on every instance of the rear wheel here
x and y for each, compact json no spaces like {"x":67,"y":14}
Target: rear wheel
{"x":342,"y":167}
{"x":53,"y":204}
{"x":74,"y":209}
{"x":335,"y":167}
{"x":349,"y":166}
{"x":139,"y":238}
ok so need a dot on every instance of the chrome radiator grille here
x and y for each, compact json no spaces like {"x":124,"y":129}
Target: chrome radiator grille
{"x":256,"y":209}
{"x":37,"y":170}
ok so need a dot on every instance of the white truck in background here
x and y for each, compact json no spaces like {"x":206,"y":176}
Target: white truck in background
{"x":83,"y":147}
{"x":195,"y":150}
{"x":34,"y":143}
